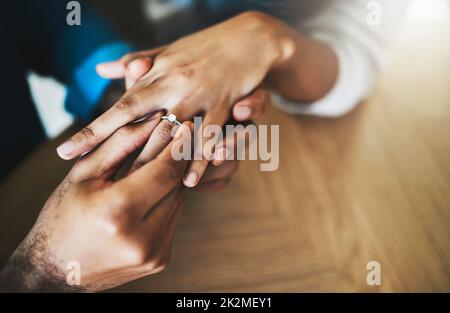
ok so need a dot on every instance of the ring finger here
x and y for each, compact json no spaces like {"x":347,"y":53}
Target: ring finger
{"x":158,"y":140}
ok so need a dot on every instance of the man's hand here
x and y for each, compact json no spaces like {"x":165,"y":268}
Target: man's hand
{"x":116,"y":230}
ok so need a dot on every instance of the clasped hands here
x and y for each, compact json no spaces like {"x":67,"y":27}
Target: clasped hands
{"x":122,"y":229}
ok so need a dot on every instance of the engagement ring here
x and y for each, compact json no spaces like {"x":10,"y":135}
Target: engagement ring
{"x":171,"y":118}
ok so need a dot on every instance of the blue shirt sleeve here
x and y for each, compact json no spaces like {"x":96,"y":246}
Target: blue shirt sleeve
{"x":81,"y":48}
{"x":85,"y":88}
{"x":67,"y":52}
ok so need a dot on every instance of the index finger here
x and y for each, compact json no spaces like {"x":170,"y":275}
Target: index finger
{"x":135,"y":104}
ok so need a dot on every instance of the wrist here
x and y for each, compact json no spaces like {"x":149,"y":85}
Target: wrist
{"x":273,"y":39}
{"x":305,"y":69}
{"x":24,"y":273}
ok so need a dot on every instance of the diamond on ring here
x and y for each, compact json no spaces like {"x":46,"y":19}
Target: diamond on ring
{"x":171,"y":118}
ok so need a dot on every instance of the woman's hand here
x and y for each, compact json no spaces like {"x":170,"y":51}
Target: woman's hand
{"x":116,"y":230}
{"x":205,"y":73}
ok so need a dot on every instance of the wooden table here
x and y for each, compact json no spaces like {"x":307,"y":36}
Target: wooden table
{"x":373,"y":185}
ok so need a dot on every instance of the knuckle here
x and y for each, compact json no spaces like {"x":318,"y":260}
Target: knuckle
{"x":114,"y":223}
{"x":80,"y":172}
{"x":125,"y":104}
{"x":119,"y":199}
{"x":87,"y":133}
{"x":255,"y":16}
{"x":103,"y":166}
{"x":184,"y":72}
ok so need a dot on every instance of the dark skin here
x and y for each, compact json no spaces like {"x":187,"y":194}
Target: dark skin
{"x":92,"y":196}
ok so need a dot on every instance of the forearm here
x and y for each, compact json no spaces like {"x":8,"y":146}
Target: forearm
{"x":24,"y":273}
{"x":307,"y":70}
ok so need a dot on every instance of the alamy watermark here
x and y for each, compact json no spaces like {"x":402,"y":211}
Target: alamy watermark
{"x":74,"y":15}
{"x":263,"y":143}
{"x":73,"y":276}
{"x":373,"y":277}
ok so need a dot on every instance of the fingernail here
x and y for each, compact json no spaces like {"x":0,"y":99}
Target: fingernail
{"x":66,"y":149}
{"x":191,"y":179}
{"x":243,"y":112}
{"x":110,"y":69}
